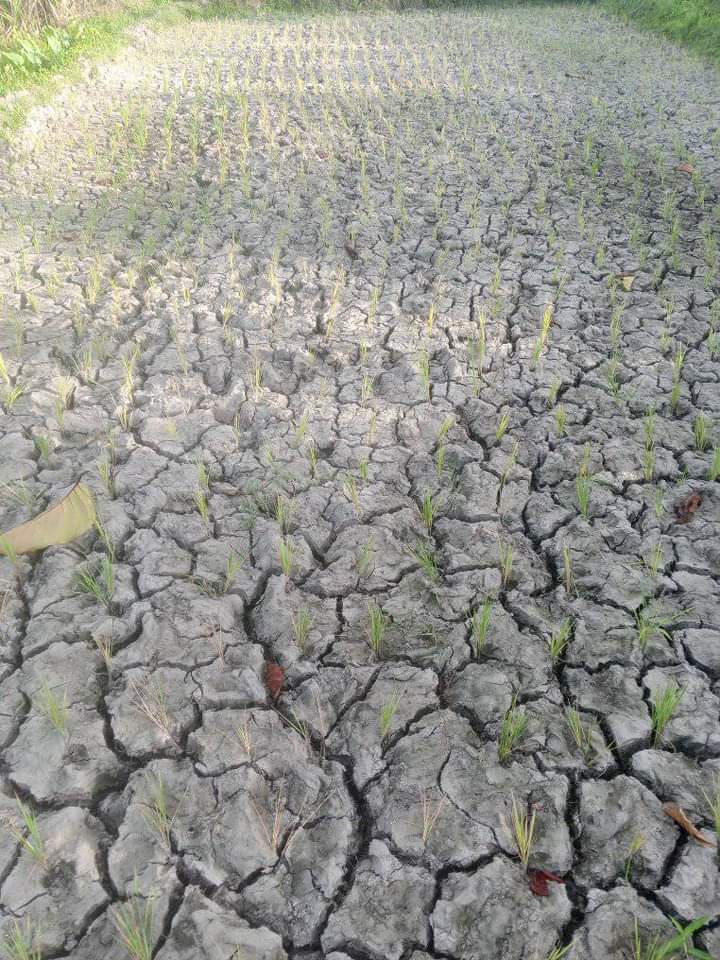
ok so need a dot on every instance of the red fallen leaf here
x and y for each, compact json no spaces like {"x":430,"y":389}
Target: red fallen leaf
{"x":681,"y":818}
{"x":274,"y":679}
{"x":685,"y":168}
{"x":687,"y":507}
{"x":539,"y":880}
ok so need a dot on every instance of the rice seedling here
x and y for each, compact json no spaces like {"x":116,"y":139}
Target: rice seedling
{"x":27,"y":834}
{"x":52,"y":707}
{"x":636,"y":845}
{"x":245,"y":736}
{"x":367,"y":390}
{"x":558,"y":952}
{"x":201,"y":502}
{"x":428,"y":511}
{"x":8,"y":551}
{"x":104,"y":538}
{"x":233,"y":565}
{"x":503,"y":424}
{"x":513,"y":728}
{"x":616,"y":327}
{"x":156,"y":811}
{"x":430,"y":815}
{"x":65,"y":396}
{"x":584,"y":482}
{"x":714,"y":471}
{"x":649,"y":463}
{"x":372,"y":427}
{"x":104,"y":645}
{"x":649,"y":426}
{"x":302,"y":622}
{"x":677,"y":365}
{"x":128,"y":364}
{"x":364,"y":559}
{"x":387,"y":713}
{"x":440,"y":459}
{"x":672,"y":948}
{"x":274,"y":832}
{"x":423,"y":368}
{"x":302,"y":428}
{"x":655,"y":561}
{"x":134,"y":923}
{"x":649,"y":444}
{"x":42,"y":445}
{"x":553,"y":391}
{"x":424,"y":556}
{"x":649,"y":626}
{"x":287,"y":557}
{"x":19,"y":942}
{"x":662,"y":709}
{"x":150,"y":699}
{"x":521,"y":830}
{"x":98,"y":582}
{"x":312,"y":456}
{"x":613,"y":381}
{"x":352,"y":493}
{"x":481,"y":344}
{"x":18,"y":492}
{"x":282,"y":511}
{"x":506,"y":563}
{"x":480,"y":625}
{"x":559,"y":639}
{"x":430,"y":319}
{"x":542,"y":340}
{"x":580,"y":731}
{"x":560,"y":420}
{"x":11,"y":395}
{"x":298,"y":724}
{"x":377,"y":623}
{"x":701,"y":432}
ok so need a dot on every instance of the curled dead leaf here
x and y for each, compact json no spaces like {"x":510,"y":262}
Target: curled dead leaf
{"x":274,"y":679}
{"x":687,"y":507}
{"x":685,"y":168}
{"x":67,"y":520}
{"x":539,"y":881}
{"x":681,"y":818}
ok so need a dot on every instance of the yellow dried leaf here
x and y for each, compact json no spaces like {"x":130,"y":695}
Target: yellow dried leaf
{"x":626,"y":279}
{"x":68,"y":519}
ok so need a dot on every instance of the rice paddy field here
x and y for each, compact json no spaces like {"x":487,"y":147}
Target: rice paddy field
{"x":386,"y":346}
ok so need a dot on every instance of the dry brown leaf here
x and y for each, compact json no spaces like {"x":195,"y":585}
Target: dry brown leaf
{"x":685,"y":168}
{"x":539,"y":881}
{"x":627,"y":280}
{"x":274,"y":679}
{"x":687,"y":507}
{"x":68,"y":519}
{"x":681,"y":818}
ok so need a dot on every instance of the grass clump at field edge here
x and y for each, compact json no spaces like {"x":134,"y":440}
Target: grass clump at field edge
{"x":694,"y":23}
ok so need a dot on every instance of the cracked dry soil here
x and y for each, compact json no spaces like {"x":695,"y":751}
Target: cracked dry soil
{"x":388,"y":346}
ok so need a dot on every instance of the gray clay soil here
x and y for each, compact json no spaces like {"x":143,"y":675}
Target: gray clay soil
{"x":388,"y":345}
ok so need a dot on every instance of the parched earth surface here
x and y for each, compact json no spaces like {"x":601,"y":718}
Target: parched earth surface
{"x":388,"y":346}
